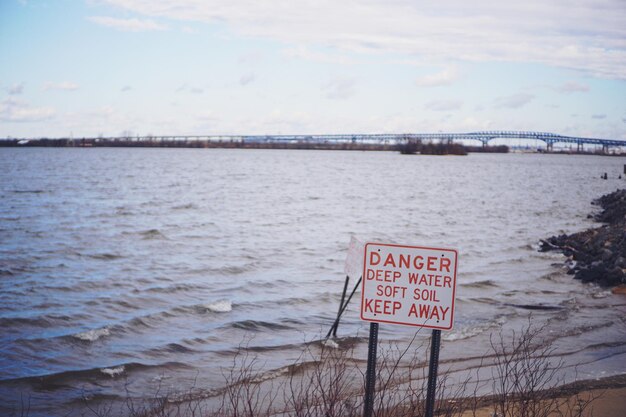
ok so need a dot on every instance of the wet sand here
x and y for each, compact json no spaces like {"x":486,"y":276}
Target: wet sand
{"x":609,"y":398}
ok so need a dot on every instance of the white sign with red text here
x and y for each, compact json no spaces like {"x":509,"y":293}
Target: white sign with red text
{"x":409,"y":285}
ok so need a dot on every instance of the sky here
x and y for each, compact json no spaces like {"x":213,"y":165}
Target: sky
{"x":88,"y":68}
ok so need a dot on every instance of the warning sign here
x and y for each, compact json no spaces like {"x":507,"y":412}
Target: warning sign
{"x":409,"y":285}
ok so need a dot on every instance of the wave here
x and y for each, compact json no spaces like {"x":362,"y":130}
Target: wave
{"x":185,"y":206}
{"x":220,"y":306}
{"x":255,"y":325}
{"x":534,"y":306}
{"x":140,"y":322}
{"x":234,"y":269}
{"x":292,"y":301}
{"x":92,"y":335}
{"x":588,"y":328}
{"x":65,"y":378}
{"x":104,"y":256}
{"x":113,"y":372}
{"x":480,"y":284}
{"x":152,"y":234}
{"x":41,"y":321}
{"x":465,"y":332}
{"x":178,"y":348}
{"x":129,"y":326}
{"x":168,"y":349}
{"x":177,"y":287}
{"x":28,"y":191}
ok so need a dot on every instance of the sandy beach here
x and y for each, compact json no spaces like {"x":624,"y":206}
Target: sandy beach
{"x":608,"y":397}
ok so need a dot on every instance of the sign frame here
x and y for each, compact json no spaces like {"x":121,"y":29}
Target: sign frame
{"x":452,"y":252}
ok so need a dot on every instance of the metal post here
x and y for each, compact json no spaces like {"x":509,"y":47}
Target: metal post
{"x":343,"y":298}
{"x":345,"y":305}
{"x":370,"y":376}
{"x":432,"y":373}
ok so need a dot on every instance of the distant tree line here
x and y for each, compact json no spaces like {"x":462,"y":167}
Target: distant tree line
{"x":412,"y":147}
{"x":408,"y":147}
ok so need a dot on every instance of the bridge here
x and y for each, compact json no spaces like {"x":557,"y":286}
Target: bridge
{"x":484,"y":137}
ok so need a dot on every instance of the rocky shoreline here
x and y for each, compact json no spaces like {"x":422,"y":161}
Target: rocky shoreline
{"x":597,"y":255}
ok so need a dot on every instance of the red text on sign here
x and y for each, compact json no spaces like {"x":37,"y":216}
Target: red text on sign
{"x":390,"y":291}
{"x":433,"y":263}
{"x":382,"y":275}
{"x":430,"y":280}
{"x":387,"y":307}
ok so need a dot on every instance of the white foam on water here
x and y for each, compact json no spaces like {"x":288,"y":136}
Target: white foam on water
{"x":92,"y":335}
{"x":471,"y":331}
{"x":330,"y":343}
{"x":266,"y":376}
{"x":601,"y":293}
{"x":112,"y":372}
{"x":221,"y":306}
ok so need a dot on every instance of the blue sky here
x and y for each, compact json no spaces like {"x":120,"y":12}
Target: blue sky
{"x":107,"y":67}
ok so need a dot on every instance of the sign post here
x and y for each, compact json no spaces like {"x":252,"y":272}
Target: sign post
{"x":407,"y":285}
{"x":370,"y":376}
{"x":432,"y":373}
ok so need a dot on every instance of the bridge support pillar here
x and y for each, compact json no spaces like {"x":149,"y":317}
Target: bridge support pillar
{"x":549,"y":146}
{"x":579,"y":147}
{"x":605,"y":149}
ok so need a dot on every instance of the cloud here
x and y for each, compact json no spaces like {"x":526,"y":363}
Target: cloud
{"x":444,"y":105}
{"x":598,"y":116}
{"x":189,"y":89}
{"x":126,"y":88}
{"x":18,"y":111}
{"x":62,"y":86}
{"x":572,"y":87}
{"x":246,"y":79}
{"x":304,"y":53}
{"x":587,"y":35}
{"x":444,"y":77}
{"x":514,"y":101}
{"x":339,"y":88}
{"x":16,"y":89}
{"x":127,"y":25}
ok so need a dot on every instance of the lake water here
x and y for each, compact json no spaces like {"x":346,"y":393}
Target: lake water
{"x":129,"y":269}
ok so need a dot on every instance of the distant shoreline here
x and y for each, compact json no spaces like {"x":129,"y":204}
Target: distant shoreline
{"x":427,"y":148}
{"x":434,"y":149}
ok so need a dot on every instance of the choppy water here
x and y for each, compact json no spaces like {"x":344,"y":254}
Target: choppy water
{"x":132,"y":268}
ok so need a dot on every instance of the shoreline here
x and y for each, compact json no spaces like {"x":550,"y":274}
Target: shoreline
{"x":608,"y":396}
{"x":422,"y":149}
